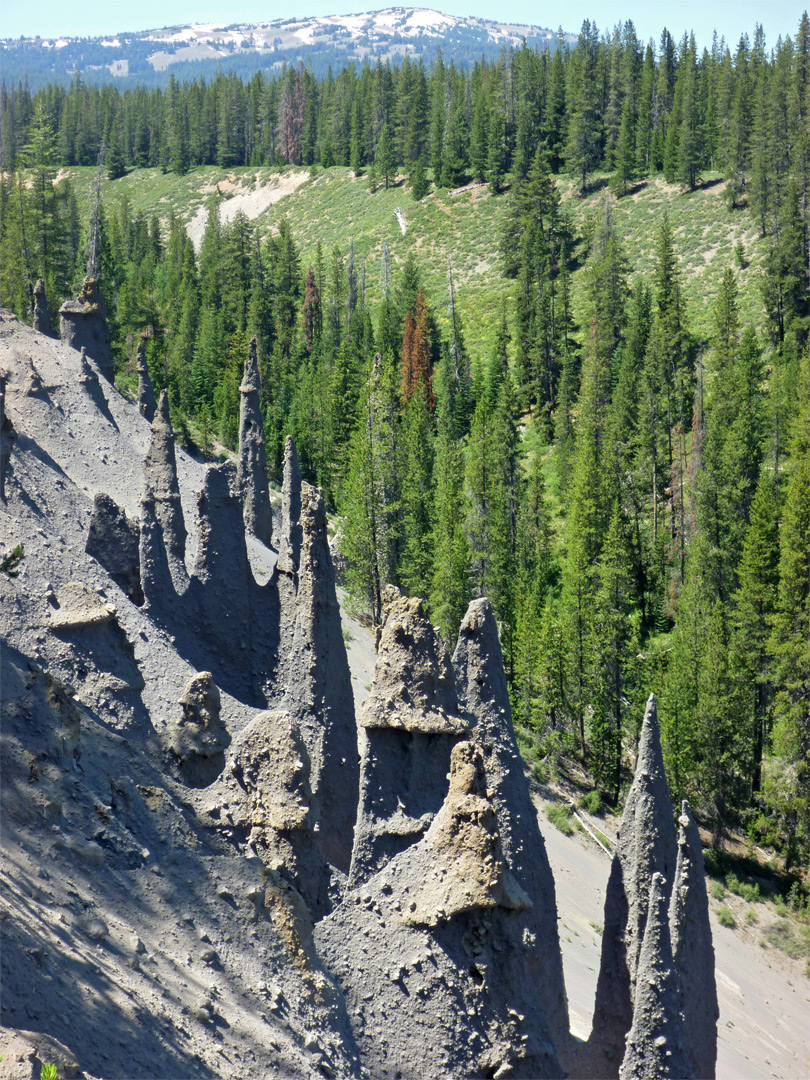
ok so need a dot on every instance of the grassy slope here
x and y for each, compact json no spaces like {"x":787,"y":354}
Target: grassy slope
{"x":334,"y":207}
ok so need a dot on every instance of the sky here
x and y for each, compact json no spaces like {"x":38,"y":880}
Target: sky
{"x":731,"y":18}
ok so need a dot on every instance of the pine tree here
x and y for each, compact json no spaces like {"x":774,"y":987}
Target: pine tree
{"x":755,"y":601}
{"x":384,"y":159}
{"x":416,"y":499}
{"x":451,"y":590}
{"x":369,"y":497}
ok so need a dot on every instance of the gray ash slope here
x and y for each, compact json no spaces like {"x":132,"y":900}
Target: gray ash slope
{"x":183,"y":774}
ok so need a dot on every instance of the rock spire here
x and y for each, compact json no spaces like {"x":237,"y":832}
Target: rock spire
{"x":252,"y":473}
{"x":83,"y":322}
{"x":147,"y":405}
{"x":482,"y":690}
{"x":692,"y":949}
{"x":319,"y":691}
{"x":645,"y":846}
{"x":161,"y":492}
{"x":407,"y":728}
{"x":289,"y":546}
{"x":656,"y":1047}
{"x":42,"y":313}
{"x":7,"y":436}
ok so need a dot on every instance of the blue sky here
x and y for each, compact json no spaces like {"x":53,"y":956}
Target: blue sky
{"x":729,"y":17}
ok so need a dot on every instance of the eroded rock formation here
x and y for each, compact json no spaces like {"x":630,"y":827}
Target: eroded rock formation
{"x":198,"y":738}
{"x":289,"y":547}
{"x":147,"y":405}
{"x":319,"y":690}
{"x":160,"y":499}
{"x":692,"y":949}
{"x":114,"y":540}
{"x":482,"y":690}
{"x":645,"y":846}
{"x":252,"y":475}
{"x":83,"y":323}
{"x":188,"y":771}
{"x":656,"y":1048}
{"x":42,"y":313}
{"x":407,"y":728}
{"x":7,"y":436}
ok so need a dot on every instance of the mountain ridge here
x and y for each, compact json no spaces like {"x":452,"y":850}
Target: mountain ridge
{"x":152,"y":54}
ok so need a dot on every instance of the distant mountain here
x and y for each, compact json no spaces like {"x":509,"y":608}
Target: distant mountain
{"x":189,"y":51}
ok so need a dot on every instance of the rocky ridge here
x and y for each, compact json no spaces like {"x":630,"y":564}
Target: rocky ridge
{"x":241,"y":873}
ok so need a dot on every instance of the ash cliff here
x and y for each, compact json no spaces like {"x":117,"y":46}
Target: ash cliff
{"x":215,"y":863}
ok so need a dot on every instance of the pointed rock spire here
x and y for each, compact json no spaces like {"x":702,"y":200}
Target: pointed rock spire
{"x":482,"y":691}
{"x":289,"y":546}
{"x":161,"y":492}
{"x":409,"y":724}
{"x":319,"y":691}
{"x":692,"y":948}
{"x":83,"y":322}
{"x":147,"y":406}
{"x":7,"y":436}
{"x":655,"y":1045}
{"x":222,"y":581}
{"x":645,"y":846}
{"x":42,"y":313}
{"x":252,"y":474}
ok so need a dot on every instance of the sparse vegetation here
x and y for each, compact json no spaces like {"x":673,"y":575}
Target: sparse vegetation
{"x":11,"y":563}
{"x":560,"y":815}
{"x":718,"y":890}
{"x":591,"y":802}
{"x":725,"y":918}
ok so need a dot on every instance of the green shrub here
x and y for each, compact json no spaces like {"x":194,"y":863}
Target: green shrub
{"x":725,"y":918}
{"x":742,"y":888}
{"x":560,"y":816}
{"x":540,"y":772}
{"x":750,"y":916}
{"x":718,"y":890}
{"x":49,"y":1072}
{"x":11,"y":563}
{"x":591,"y":802}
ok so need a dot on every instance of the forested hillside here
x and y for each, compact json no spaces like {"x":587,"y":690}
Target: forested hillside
{"x":618,"y":456}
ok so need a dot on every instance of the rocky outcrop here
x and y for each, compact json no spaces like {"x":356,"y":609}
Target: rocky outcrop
{"x":289,"y":545}
{"x":7,"y":436}
{"x":481,"y":685}
{"x":160,"y":498}
{"x":692,"y":949}
{"x":114,"y":541}
{"x":222,"y":584}
{"x":407,"y":728}
{"x":198,"y":738}
{"x":83,"y":322}
{"x":252,"y":474}
{"x":470,"y":871}
{"x":319,"y":692}
{"x":33,"y":381}
{"x":645,"y":846}
{"x":272,"y":799}
{"x":42,"y":313}
{"x":78,"y":606}
{"x":656,"y":1047}
{"x":435,"y":940}
{"x":147,"y":405}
